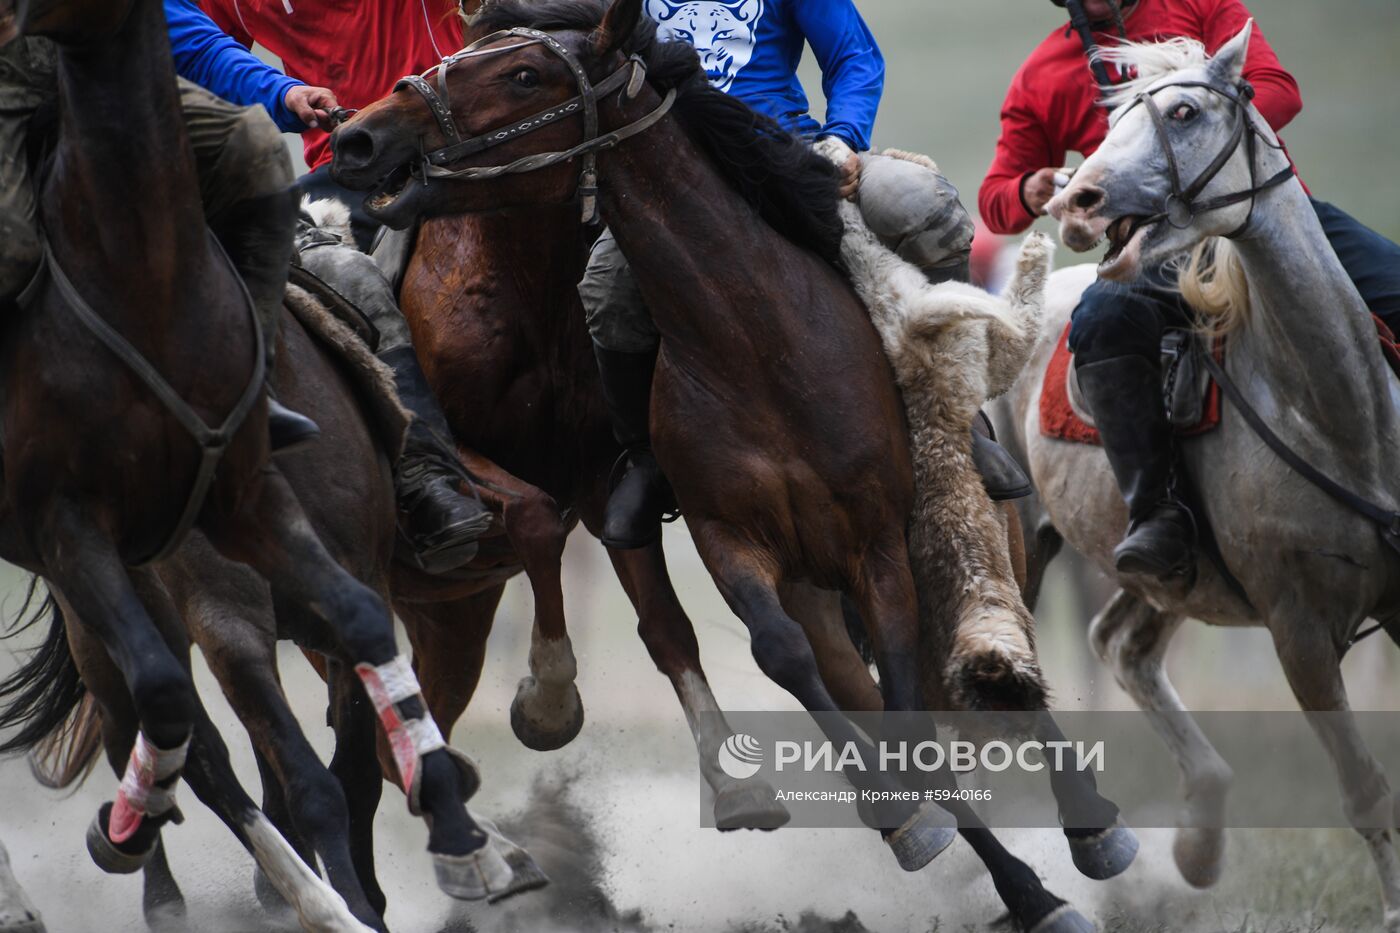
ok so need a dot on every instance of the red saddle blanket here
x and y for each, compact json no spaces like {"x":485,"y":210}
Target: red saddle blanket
{"x":1058,"y":419}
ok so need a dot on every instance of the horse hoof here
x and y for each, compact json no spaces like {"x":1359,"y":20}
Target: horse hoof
{"x":525,"y":872}
{"x":923,"y":836}
{"x":1105,"y":854}
{"x":474,"y":876}
{"x":752,"y":805}
{"x":105,"y":853}
{"x":1064,"y":919}
{"x":542,"y":724}
{"x":1199,"y":855}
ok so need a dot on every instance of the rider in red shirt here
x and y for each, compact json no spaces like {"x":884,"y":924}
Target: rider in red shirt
{"x":358,"y":50}
{"x":1052,"y":109}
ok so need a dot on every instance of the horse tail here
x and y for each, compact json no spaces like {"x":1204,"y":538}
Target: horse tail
{"x":1213,"y":282}
{"x":57,"y":719}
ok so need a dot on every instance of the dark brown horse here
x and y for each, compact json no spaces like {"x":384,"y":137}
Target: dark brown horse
{"x":774,"y":412}
{"x":94,"y":449}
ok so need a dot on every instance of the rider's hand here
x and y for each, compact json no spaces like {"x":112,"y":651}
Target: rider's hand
{"x":850,"y":176}
{"x":1038,"y":188}
{"x":312,"y":105}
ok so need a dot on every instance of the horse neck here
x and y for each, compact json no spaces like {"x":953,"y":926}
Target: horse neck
{"x":1310,"y":339}
{"x":121,"y":134}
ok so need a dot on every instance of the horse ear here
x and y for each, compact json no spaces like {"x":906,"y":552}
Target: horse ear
{"x":1227,"y":66}
{"x":617,"y":27}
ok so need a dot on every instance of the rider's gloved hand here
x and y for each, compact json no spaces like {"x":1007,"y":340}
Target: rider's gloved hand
{"x":312,"y":105}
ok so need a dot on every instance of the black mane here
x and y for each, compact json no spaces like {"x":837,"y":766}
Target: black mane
{"x":778,"y":174}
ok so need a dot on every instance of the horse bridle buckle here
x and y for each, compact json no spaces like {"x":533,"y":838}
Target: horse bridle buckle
{"x":1179,"y":212}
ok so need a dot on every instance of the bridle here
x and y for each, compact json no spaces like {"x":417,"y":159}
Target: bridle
{"x":628,"y":79}
{"x":1183,"y":205}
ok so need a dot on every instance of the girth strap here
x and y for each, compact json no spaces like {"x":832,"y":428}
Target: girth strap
{"x":1387,"y":520}
{"x":213,"y":442}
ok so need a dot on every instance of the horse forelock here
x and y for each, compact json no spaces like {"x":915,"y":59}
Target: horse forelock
{"x":1150,"y":62}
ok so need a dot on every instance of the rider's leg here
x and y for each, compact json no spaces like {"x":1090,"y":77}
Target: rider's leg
{"x":625,"y":342}
{"x":1116,"y":337}
{"x":439,"y":521}
{"x":917,"y":213}
{"x":245,"y":176}
{"x":1372,"y":261}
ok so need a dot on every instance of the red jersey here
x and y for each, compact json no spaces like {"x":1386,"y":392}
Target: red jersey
{"x":357,"y":48}
{"x":1051,"y":108}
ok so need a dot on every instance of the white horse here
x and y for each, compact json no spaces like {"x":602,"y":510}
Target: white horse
{"x":1303,"y":351}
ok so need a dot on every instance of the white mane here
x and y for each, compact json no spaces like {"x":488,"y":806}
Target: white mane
{"x":1152,"y":61}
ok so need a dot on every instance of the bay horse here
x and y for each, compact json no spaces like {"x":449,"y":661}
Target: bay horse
{"x":1309,"y":568}
{"x":139,"y":334}
{"x":774,"y":412}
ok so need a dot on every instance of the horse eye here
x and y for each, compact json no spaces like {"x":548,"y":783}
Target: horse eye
{"x":1184,"y":113}
{"x":526,"y":77}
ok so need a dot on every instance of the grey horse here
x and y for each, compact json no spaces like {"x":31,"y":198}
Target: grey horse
{"x":1313,"y":571}
{"x":17,"y":913}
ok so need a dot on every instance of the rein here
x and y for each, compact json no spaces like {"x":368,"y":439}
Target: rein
{"x":1182,"y":206}
{"x":628,"y":79}
{"x":213,"y":442}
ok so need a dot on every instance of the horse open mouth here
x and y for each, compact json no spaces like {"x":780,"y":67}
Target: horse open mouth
{"x":1125,"y":237}
{"x":389,"y":191}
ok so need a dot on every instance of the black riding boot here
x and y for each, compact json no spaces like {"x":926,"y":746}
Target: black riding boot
{"x":257,"y":235}
{"x":642,"y":495}
{"x":1125,"y":396}
{"x":439,"y":521}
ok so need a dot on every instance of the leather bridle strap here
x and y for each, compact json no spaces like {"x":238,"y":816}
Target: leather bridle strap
{"x":213,"y":442}
{"x":1182,"y":205}
{"x":628,"y":79}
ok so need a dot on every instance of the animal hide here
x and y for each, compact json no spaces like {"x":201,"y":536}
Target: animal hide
{"x":952,"y":347}
{"x":373,"y":381}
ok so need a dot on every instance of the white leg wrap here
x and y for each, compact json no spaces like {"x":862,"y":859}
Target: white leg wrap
{"x":409,"y":739}
{"x":139,"y":794}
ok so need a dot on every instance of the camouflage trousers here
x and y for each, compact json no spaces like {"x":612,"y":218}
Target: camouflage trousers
{"x":913,"y":209}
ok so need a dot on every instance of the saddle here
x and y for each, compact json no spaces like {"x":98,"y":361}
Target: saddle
{"x":1192,"y":398}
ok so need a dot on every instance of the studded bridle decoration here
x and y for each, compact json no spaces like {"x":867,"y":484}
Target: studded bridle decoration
{"x":628,"y":80}
{"x":1183,"y":205}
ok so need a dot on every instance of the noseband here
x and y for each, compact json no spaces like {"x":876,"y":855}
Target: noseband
{"x":1182,"y":206}
{"x":629,"y":79}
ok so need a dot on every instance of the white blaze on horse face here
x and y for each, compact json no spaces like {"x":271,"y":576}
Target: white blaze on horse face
{"x":723,"y":33}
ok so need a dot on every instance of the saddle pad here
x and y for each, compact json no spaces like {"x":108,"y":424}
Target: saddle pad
{"x":1059,"y":420}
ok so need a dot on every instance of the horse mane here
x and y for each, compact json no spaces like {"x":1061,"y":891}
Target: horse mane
{"x":1152,"y":62}
{"x":793,"y":189}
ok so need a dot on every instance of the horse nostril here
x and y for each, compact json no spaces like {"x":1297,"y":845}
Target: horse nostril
{"x":353,"y":147}
{"x":1089,"y":198}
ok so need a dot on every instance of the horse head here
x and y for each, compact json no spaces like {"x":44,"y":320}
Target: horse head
{"x":452,"y":140}
{"x":69,"y":22}
{"x":1179,"y":163}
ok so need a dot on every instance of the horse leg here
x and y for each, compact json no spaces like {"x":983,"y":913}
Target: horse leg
{"x":887,"y":601}
{"x":162,"y":903}
{"x":1132,"y":637}
{"x":279,"y":814}
{"x":86,"y":569}
{"x":449,"y":649}
{"x":669,"y":637}
{"x":1313,"y":667}
{"x":17,"y":913}
{"x":272,"y":535}
{"x":547,"y":712}
{"x":355,"y":765}
{"x":843,"y":670}
{"x":1100,"y":845}
{"x":305,"y":795}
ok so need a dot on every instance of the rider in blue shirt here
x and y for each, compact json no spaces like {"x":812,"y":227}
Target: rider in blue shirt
{"x":750,"y":49}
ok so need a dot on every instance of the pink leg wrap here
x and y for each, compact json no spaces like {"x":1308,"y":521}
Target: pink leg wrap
{"x":139,"y":795}
{"x":409,"y":739}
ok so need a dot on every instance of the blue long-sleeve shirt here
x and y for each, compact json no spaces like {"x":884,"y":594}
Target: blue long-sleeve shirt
{"x":215,"y":61}
{"x":751,"y":48}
